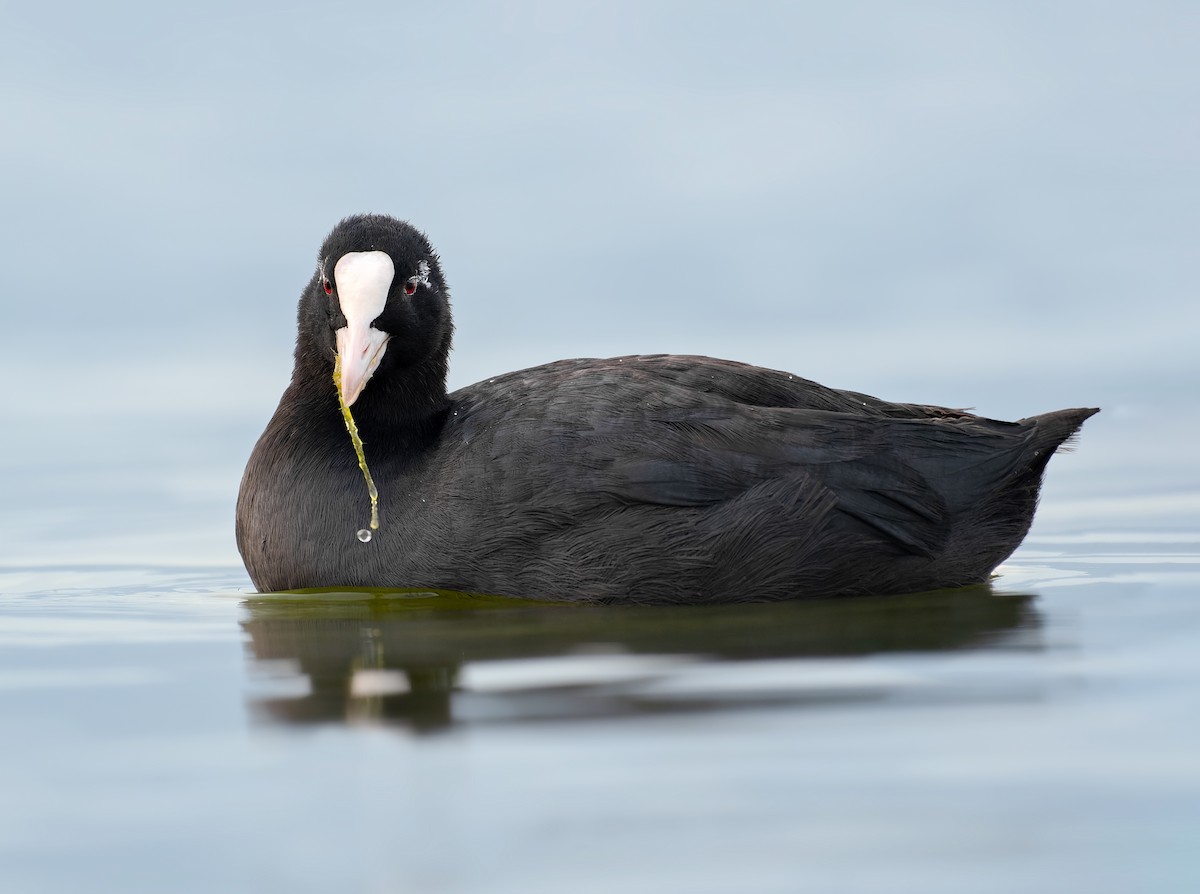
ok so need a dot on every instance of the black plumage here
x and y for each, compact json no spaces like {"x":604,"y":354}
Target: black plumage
{"x":635,"y":479}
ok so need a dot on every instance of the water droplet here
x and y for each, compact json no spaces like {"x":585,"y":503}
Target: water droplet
{"x":364,"y":535}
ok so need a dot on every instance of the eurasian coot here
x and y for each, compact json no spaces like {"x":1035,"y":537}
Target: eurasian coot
{"x":658,"y":478}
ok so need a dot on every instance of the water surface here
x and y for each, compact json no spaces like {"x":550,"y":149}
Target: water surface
{"x":164,"y":728}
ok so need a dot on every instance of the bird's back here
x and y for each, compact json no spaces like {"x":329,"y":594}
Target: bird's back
{"x":692,"y":480}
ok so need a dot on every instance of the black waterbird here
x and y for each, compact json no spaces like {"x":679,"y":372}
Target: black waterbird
{"x":663,"y":478}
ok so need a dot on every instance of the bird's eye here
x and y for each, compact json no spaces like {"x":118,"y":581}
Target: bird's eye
{"x":327,"y":286}
{"x":410,"y":285}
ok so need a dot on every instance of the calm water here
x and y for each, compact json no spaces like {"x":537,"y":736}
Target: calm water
{"x":164,"y":728}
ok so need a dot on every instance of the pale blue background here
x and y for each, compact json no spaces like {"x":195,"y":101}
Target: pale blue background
{"x":991,"y":205}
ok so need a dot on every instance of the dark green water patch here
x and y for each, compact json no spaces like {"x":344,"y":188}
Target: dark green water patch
{"x":405,"y":651}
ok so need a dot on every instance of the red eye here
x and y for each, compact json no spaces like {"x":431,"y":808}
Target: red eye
{"x":328,"y":286}
{"x":410,"y":286}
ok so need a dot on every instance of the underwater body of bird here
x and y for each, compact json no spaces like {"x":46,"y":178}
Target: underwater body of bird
{"x":663,"y":478}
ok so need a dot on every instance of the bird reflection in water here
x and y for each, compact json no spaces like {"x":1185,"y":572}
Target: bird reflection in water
{"x":429,"y":661}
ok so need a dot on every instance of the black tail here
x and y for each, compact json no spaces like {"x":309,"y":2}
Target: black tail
{"x":1003,"y":522}
{"x":1057,"y":430}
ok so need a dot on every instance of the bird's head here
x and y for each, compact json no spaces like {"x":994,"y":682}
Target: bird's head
{"x":377,"y":299}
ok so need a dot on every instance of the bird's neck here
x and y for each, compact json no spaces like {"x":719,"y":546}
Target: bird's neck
{"x":403,"y":401}
{"x":402,"y":407}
